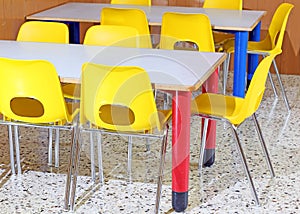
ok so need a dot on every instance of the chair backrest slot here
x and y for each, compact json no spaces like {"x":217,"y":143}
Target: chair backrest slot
{"x":186,"y":45}
{"x":116,"y":115}
{"x":27,"y":107}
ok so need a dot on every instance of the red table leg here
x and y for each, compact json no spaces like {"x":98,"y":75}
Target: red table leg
{"x":181,"y":115}
{"x":180,"y":149}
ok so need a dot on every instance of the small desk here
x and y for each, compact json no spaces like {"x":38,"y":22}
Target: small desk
{"x":238,"y":22}
{"x":178,"y":71}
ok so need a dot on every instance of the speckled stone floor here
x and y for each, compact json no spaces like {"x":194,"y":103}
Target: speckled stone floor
{"x":223,"y":187}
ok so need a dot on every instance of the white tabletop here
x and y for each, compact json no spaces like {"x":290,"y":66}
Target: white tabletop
{"x":168,"y":70}
{"x":244,"y":20}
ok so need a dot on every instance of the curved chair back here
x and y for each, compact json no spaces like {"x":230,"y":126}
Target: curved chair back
{"x":39,"y":31}
{"x":190,"y":28}
{"x":277,"y":27}
{"x":129,"y":17}
{"x":254,"y":93}
{"x":118,"y":98}
{"x":30,"y":91}
{"x":231,"y":5}
{"x":132,"y":2}
{"x":111,"y":35}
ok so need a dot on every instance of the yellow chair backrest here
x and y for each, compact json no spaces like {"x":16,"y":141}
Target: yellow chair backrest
{"x":133,"y":2}
{"x":117,"y":98}
{"x":30,"y":91}
{"x":181,"y":27}
{"x":128,"y":17}
{"x":39,"y":31}
{"x":278,"y":26}
{"x":254,"y":93}
{"x":223,"y":4}
{"x":112,"y":35}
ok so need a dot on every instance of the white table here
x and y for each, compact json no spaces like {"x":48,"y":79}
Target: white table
{"x":180,"y":72}
{"x":238,"y":22}
{"x":168,"y":70}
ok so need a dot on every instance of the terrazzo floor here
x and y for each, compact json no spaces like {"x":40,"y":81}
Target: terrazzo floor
{"x":222,"y":188}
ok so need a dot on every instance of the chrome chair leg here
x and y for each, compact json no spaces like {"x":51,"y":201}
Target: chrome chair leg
{"x":56,"y":164}
{"x":76,"y":169}
{"x":129,"y":157}
{"x":243,"y":159}
{"x":147,"y":145}
{"x":17,"y":149}
{"x":161,"y":172}
{"x":11,"y":150}
{"x":71,"y":182}
{"x":273,"y":85}
{"x":50,"y":146}
{"x":225,"y":72}
{"x":100,"y":165}
{"x":92,"y":147}
{"x":263,"y":144}
{"x":202,"y":146}
{"x":281,"y":86}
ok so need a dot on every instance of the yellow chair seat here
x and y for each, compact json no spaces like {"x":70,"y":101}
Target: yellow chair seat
{"x":217,"y":105}
{"x":260,"y":47}
{"x":71,"y":90}
{"x":220,"y":37}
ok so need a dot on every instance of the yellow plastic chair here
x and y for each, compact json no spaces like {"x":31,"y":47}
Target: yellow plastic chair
{"x":53,"y":32}
{"x":31,"y":95}
{"x":234,"y":111}
{"x":271,"y":44}
{"x":104,"y":35}
{"x":132,"y":2}
{"x":182,"y":29}
{"x":129,"y":17}
{"x":39,"y":31}
{"x":221,"y":37}
{"x":118,"y":100}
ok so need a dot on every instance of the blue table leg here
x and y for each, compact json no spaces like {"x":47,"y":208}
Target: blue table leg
{"x":74,"y":32}
{"x":240,"y":56}
{"x":253,"y":58}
